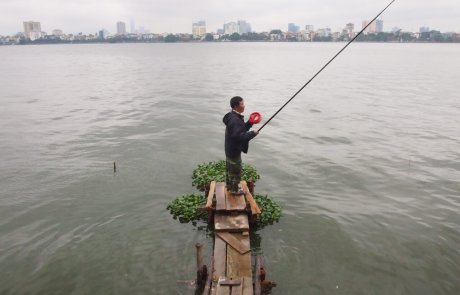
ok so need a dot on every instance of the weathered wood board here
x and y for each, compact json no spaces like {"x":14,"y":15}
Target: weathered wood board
{"x":247,"y":286}
{"x":238,"y":223}
{"x":234,"y":203}
{"x":238,"y":290}
{"x":220,"y":196}
{"x":212,"y":188}
{"x":220,"y":262}
{"x":236,"y":286}
{"x":223,"y":290}
{"x":238,"y":241}
{"x":231,"y":270}
{"x":238,"y":265}
{"x":247,"y":194}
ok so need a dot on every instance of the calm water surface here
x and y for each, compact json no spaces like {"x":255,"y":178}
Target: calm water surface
{"x":365,"y":163}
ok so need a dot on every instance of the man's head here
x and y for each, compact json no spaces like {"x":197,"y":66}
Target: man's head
{"x":237,"y":104}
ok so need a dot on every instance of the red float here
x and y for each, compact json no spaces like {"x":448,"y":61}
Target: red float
{"x":255,"y":118}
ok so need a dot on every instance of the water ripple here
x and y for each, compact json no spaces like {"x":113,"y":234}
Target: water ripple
{"x":364,"y":162}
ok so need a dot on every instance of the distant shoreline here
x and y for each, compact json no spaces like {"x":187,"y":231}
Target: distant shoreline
{"x":273,"y":36}
{"x":209,"y":42}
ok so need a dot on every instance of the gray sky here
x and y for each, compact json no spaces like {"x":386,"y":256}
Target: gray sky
{"x":176,"y":16}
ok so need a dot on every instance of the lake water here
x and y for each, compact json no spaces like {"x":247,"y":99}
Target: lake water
{"x":365,"y":163}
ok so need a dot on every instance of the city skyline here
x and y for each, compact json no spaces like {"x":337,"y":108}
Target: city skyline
{"x":177,"y":16}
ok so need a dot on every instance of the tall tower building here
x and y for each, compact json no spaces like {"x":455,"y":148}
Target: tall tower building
{"x":350,"y":28}
{"x":375,"y":27}
{"x":121,"y":28}
{"x":32,"y":30}
{"x":58,"y":32}
{"x":293,"y":28}
{"x":230,"y":28}
{"x":424,"y":29}
{"x":243,"y":27}
{"x":379,"y":26}
{"x":132,"y":27}
{"x":199,"y":29}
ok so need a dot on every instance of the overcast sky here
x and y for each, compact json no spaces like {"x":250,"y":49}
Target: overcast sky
{"x":176,"y":16}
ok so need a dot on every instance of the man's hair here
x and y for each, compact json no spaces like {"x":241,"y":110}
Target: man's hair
{"x":235,"y":101}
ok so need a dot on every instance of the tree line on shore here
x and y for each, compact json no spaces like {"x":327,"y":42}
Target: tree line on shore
{"x":274,"y":35}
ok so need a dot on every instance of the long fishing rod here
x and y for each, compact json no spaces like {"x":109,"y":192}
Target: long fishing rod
{"x":305,"y":85}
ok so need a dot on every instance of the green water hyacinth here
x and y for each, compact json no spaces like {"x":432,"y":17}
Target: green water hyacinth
{"x":271,"y":211}
{"x":215,"y":171}
{"x":186,"y":208}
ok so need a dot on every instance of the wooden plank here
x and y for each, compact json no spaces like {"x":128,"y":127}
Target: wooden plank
{"x":254,"y":207}
{"x":238,"y":265}
{"x":238,"y":290}
{"x":247,"y":286}
{"x":238,"y":241}
{"x":220,"y":260}
{"x":223,"y":290}
{"x":235,"y":203}
{"x":220,"y":196}
{"x":238,"y":223}
{"x":231,"y":282}
{"x":220,"y":257}
{"x":212,"y":188}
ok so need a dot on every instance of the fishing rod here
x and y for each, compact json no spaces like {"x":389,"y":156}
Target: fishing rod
{"x":317,"y":73}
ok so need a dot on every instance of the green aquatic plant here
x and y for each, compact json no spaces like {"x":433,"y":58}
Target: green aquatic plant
{"x":186,"y":208}
{"x":215,"y":171}
{"x":271,"y":211}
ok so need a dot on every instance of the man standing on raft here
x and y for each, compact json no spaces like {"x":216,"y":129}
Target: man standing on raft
{"x":237,"y":137}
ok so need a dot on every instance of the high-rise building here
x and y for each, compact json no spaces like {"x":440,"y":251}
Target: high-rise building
{"x":293,"y":28}
{"x":57,"y":32}
{"x":199,"y":29}
{"x":323,"y":32}
{"x":375,"y":27}
{"x":424,"y":29}
{"x":32,"y":30}
{"x":309,"y":28}
{"x":132,"y":27}
{"x":103,"y":34}
{"x":121,"y":28}
{"x":230,"y":28}
{"x":243,"y":27}
{"x":350,"y":28}
{"x":240,"y":27}
{"x":379,"y":26}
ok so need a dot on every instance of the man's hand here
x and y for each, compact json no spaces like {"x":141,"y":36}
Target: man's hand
{"x":255,"y":132}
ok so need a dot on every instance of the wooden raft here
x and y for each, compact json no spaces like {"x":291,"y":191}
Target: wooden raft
{"x":231,"y":269}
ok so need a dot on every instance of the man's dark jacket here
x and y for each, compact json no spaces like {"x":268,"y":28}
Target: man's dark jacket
{"x":237,"y":134}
